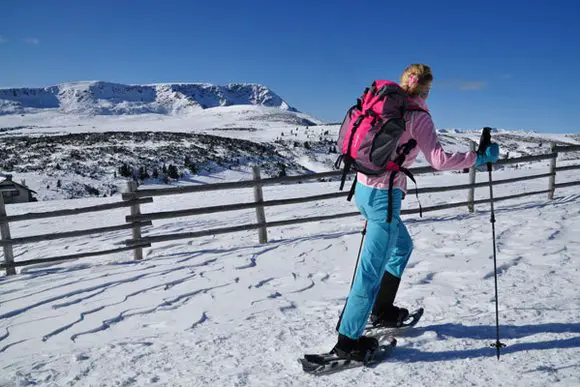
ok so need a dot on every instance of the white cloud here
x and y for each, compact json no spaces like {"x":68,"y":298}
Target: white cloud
{"x":472,"y":85}
{"x":34,"y":41}
{"x":456,"y":84}
{"x":3,"y":39}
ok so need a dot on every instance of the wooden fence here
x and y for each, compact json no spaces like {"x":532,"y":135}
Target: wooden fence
{"x":134,"y":198}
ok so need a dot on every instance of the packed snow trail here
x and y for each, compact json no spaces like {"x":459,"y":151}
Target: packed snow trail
{"x":228,"y":311}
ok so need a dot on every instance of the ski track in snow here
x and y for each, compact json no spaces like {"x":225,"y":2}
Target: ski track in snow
{"x":228,"y":311}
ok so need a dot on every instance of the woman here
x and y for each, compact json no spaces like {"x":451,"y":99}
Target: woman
{"x":388,"y":246}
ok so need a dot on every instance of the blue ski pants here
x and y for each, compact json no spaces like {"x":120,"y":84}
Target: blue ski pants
{"x":387,"y":247}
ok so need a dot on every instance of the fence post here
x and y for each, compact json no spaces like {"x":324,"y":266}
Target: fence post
{"x":5,"y":235}
{"x":471,"y":190}
{"x":135,"y":210}
{"x":259,"y":198}
{"x":552,"y":179}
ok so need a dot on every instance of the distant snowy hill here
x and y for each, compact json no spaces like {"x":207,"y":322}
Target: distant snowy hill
{"x":105,"y":98}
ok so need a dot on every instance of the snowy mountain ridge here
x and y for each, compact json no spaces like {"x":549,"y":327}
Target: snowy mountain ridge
{"x":107,"y":98}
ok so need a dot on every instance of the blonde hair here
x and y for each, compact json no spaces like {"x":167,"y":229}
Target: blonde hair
{"x":416,"y":79}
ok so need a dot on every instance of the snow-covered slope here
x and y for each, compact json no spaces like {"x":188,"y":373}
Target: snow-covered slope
{"x":86,"y":161}
{"x":107,"y":98}
{"x":227,"y":311}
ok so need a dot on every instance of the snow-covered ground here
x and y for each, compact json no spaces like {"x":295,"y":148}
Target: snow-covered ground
{"x":234,"y":121}
{"x":227,"y":311}
{"x":85,"y":153}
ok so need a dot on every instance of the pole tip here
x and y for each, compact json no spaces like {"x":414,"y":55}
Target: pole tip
{"x":498,"y":345}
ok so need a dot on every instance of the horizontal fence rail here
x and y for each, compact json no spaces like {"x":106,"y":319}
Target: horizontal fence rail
{"x":72,"y":256}
{"x":567,"y":168}
{"x":69,"y":234}
{"x":244,"y":227}
{"x":483,"y":184}
{"x":567,"y":148}
{"x":479,"y":201}
{"x":232,"y":207}
{"x":133,"y":198}
{"x":568,"y":184}
{"x":526,"y":159}
{"x":73,"y":211}
{"x":230,"y":185}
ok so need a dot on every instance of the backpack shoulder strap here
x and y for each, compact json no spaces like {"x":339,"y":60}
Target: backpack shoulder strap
{"x":412,"y":106}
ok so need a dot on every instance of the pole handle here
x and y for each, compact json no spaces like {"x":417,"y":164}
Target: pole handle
{"x":485,"y":140}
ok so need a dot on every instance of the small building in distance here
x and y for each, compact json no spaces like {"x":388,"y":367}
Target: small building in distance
{"x":13,"y":192}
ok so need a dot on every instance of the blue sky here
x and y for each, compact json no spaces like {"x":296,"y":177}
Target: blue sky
{"x":506,"y":64}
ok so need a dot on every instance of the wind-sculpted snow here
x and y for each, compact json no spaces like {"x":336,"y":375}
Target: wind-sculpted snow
{"x":226,"y":310}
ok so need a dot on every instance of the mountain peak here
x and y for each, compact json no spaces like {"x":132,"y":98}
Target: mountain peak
{"x":108,"y":98}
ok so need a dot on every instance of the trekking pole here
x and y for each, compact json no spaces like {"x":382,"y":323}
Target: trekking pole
{"x":484,"y":142}
{"x":363,"y":232}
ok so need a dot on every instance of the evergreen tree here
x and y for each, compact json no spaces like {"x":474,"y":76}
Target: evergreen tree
{"x":282,"y":172}
{"x":172,"y":172}
{"x":125,"y":170}
{"x":143,"y":174}
{"x":193,"y":168}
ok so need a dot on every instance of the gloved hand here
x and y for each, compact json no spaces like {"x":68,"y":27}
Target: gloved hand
{"x":490,"y":156}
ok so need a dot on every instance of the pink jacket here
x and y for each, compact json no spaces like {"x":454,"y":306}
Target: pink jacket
{"x":420,"y":127}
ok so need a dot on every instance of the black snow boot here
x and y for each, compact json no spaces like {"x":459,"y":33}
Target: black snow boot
{"x":359,"y":350}
{"x":384,"y":312}
{"x":394,"y":317}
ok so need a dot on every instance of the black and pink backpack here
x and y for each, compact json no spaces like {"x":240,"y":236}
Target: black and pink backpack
{"x":370,"y":133}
